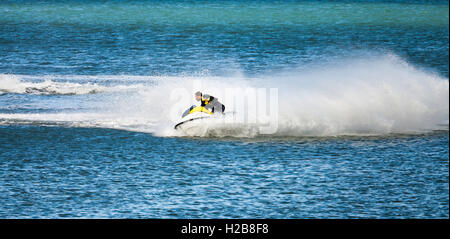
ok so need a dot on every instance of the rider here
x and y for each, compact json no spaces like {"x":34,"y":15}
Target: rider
{"x":210,"y":102}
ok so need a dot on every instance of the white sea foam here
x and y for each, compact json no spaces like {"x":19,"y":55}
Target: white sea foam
{"x":378,"y":95}
{"x":47,"y":85}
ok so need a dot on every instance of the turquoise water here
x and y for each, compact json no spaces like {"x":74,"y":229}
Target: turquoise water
{"x":362,"y":120}
{"x":170,"y":37}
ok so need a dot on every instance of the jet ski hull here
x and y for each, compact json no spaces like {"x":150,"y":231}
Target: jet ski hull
{"x":192,"y":121}
{"x":182,"y":124}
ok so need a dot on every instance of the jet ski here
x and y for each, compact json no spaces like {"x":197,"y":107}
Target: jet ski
{"x":199,"y":121}
{"x":192,"y":117}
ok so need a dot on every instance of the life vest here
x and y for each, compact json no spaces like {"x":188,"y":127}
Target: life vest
{"x":205,"y":102}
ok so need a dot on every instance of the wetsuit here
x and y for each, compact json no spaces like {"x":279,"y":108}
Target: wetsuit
{"x":213,"y":105}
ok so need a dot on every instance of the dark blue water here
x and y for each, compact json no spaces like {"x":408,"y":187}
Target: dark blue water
{"x":79,"y":172}
{"x":362,"y":119}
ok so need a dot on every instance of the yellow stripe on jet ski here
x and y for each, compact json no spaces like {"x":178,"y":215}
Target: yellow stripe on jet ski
{"x":200,"y":109}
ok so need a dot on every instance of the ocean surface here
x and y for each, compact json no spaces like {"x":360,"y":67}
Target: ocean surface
{"x":90,"y":92}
